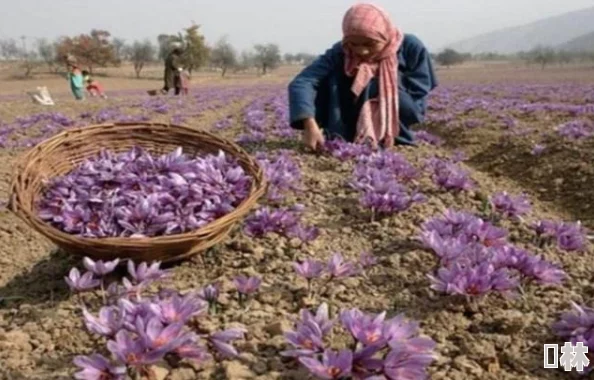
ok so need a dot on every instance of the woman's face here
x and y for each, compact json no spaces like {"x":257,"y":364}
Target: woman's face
{"x":364,"y":47}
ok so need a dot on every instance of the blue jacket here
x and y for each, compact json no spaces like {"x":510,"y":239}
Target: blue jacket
{"x":322,"y":90}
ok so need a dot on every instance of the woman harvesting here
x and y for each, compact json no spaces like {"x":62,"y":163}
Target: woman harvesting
{"x":370,"y":86}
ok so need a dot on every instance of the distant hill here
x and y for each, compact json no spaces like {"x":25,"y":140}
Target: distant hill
{"x":581,"y":43}
{"x":569,"y":28}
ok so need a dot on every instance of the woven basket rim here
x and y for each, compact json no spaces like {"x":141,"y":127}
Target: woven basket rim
{"x":258,"y":189}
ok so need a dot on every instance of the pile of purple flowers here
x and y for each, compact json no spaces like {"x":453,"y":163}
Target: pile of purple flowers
{"x":381,"y":348}
{"x":135,"y":194}
{"x":447,"y":175}
{"x":476,"y":258}
{"x":570,"y":237}
{"x":143,"y":329}
{"x":282,"y":172}
{"x":577,"y":326}
{"x":380,"y":179}
{"x":285,"y":221}
{"x":510,"y":206}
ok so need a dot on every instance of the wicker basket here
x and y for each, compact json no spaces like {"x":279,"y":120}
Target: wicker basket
{"x":59,"y":154}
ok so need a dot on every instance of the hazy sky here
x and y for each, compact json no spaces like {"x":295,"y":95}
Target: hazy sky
{"x":297,"y":25}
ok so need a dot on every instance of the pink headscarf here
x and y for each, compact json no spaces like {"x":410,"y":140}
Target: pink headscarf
{"x":378,"y":120}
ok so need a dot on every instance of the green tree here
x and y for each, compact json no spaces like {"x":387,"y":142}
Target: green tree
{"x":449,"y":57}
{"x":195,"y":50}
{"x":268,"y":57}
{"x":94,"y":49}
{"x":140,"y":54}
{"x":223,"y":55}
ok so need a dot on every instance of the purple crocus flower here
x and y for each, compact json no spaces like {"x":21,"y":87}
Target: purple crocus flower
{"x":485,"y":233}
{"x":366,"y":329}
{"x":334,"y":365}
{"x":143,"y":272}
{"x":130,"y":350}
{"x":447,"y":249}
{"x":473,"y":281}
{"x":247,"y":285}
{"x":366,"y":363}
{"x":531,"y":266}
{"x":304,"y":233}
{"x":428,"y":138}
{"x":109,"y":322}
{"x":180,"y":309}
{"x":97,"y":367}
{"x":221,"y":341}
{"x":571,"y":237}
{"x":307,"y":340}
{"x":449,"y":176}
{"x":309,"y":269}
{"x":321,"y":318}
{"x":577,"y":322}
{"x":78,"y":283}
{"x":338,"y":268}
{"x":156,"y":336}
{"x":308,"y":337}
{"x":544,"y":227}
{"x":510,"y":206}
{"x":134,"y":310}
{"x":209,"y":293}
{"x":400,"y":332}
{"x":538,"y":149}
{"x":100,"y":268}
{"x":400,"y":363}
{"x":193,"y":350}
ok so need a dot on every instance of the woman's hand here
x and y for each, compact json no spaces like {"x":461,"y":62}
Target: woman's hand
{"x":312,"y":137}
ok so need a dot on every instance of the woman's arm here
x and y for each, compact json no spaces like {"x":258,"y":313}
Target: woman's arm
{"x":303,"y":88}
{"x":418,"y":79}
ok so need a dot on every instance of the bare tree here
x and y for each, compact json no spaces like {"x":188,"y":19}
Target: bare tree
{"x":223,"y":55}
{"x":140,"y":54}
{"x":564,"y":57}
{"x":47,"y":52}
{"x":9,"y":49}
{"x":119,"y":45}
{"x":29,"y":61}
{"x":542,"y":55}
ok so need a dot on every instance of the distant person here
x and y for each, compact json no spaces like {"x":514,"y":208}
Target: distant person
{"x":75,"y":78}
{"x":94,"y":88}
{"x":371,"y":86}
{"x":184,"y":77}
{"x":173,"y":69}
